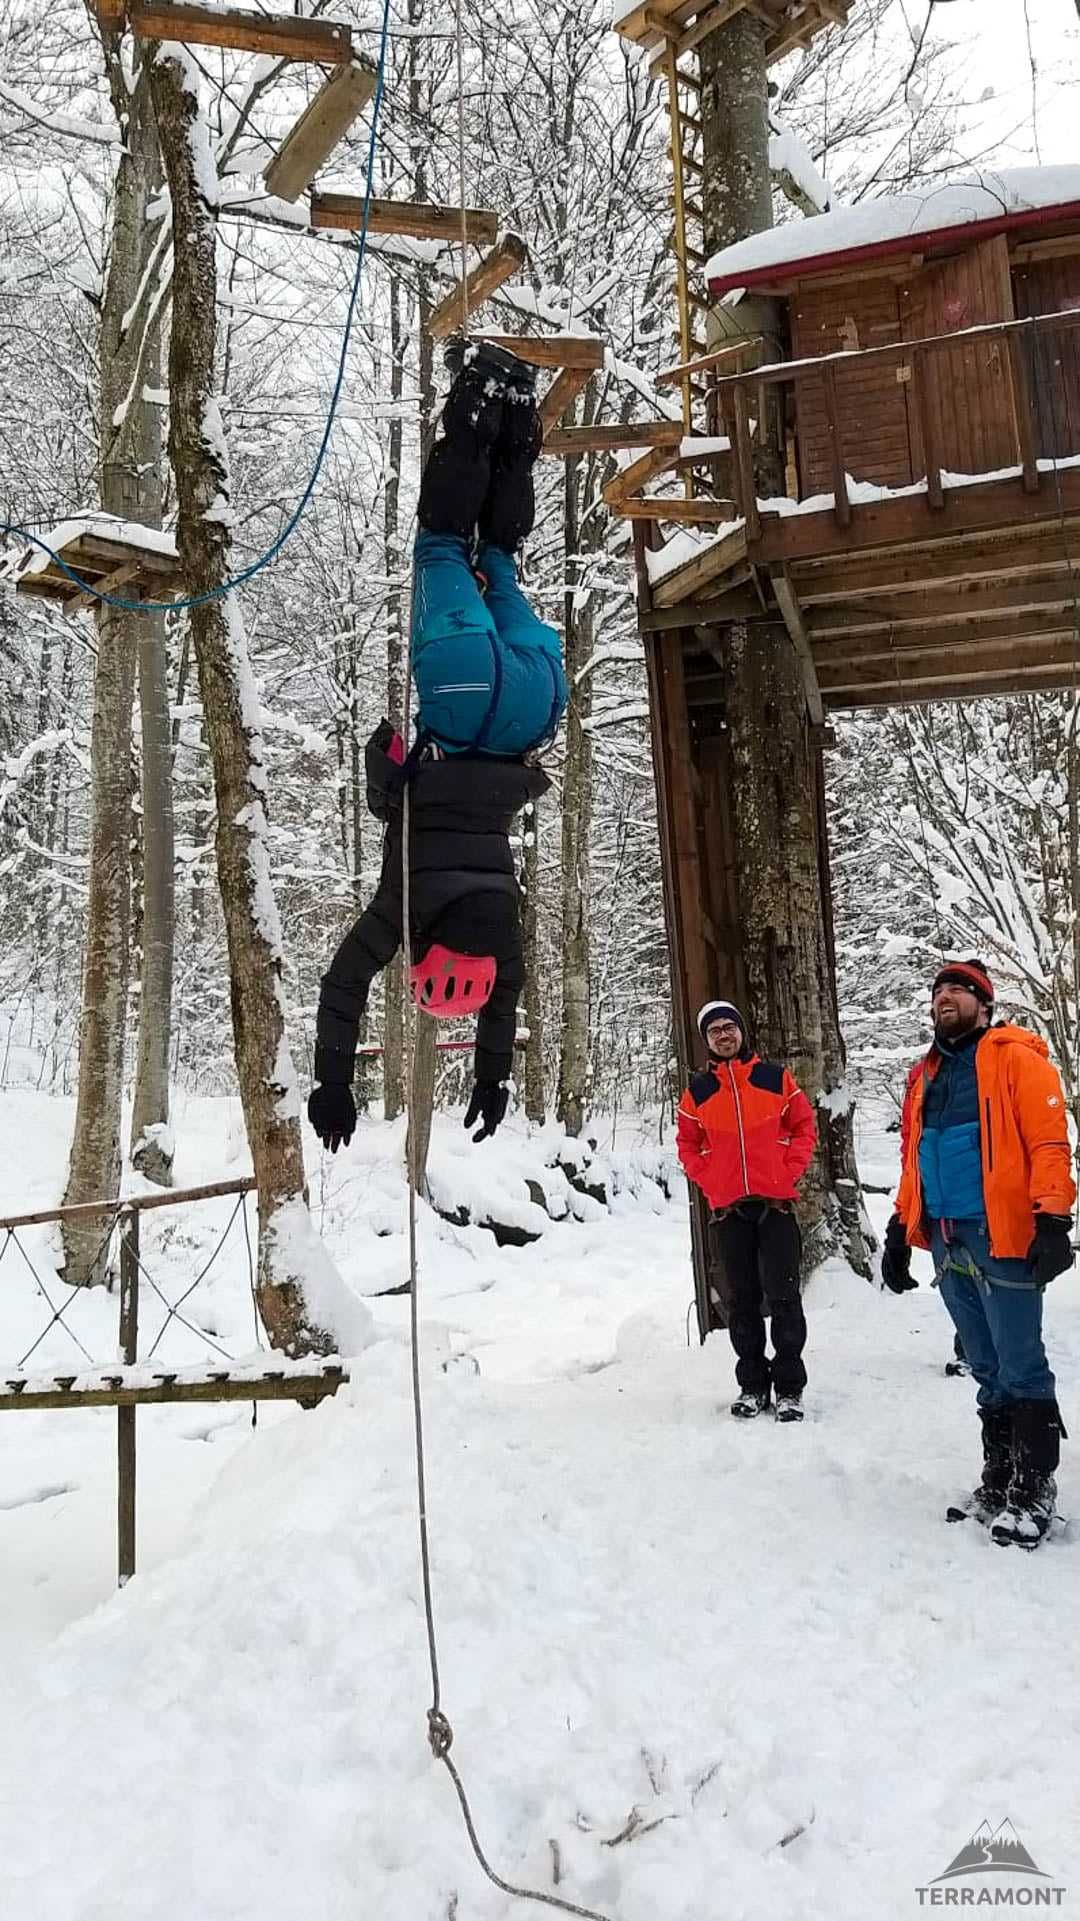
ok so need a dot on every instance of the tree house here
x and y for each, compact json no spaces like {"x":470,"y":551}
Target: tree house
{"x":925,"y":424}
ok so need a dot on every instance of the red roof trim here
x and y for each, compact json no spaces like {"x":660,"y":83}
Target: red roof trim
{"x":919,"y":241}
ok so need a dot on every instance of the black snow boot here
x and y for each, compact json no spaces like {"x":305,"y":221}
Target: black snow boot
{"x":457,"y":476}
{"x":510,"y":508}
{"x":987,"y":1501}
{"x":1036,"y":1450}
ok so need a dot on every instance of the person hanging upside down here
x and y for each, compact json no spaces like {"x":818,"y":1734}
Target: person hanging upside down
{"x":491,"y":690}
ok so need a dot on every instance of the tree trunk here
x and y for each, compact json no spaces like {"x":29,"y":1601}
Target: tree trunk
{"x":576,"y":823}
{"x":151,"y":1140}
{"x":777,"y":787}
{"x":535,"y":1103}
{"x":786,"y":945}
{"x":94,"y":1170}
{"x":300,"y":1296}
{"x":421,"y":1099}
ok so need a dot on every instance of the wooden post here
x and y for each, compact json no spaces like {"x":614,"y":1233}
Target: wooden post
{"x":842,"y":507}
{"x":928,"y":427}
{"x":127,"y":1416}
{"x":1022,"y":410}
{"x":744,"y":463}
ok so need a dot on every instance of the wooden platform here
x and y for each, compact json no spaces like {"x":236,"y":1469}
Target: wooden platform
{"x":113,"y":556}
{"x":683,"y":24}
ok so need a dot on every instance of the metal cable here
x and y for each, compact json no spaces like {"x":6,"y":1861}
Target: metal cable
{"x":459,"y":39}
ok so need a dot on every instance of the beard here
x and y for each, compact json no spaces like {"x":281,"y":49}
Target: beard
{"x":954,"y":1026}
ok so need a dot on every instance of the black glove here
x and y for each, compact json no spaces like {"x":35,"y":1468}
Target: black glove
{"x":1051,"y":1251}
{"x":332,"y":1113}
{"x":896,"y":1258}
{"x":488,"y":1104}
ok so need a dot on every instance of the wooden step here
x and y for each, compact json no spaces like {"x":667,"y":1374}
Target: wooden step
{"x":414,"y":219}
{"x":321,"y":127}
{"x":505,"y":259}
{"x":289,"y":36}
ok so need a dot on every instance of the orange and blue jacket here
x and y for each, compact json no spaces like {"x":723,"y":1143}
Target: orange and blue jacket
{"x":1023,"y":1140}
{"x":745,"y":1127}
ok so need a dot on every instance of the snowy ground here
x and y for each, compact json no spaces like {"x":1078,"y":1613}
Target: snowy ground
{"x":711,"y":1670}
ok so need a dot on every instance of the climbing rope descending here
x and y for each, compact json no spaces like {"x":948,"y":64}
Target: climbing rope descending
{"x":8,"y":529}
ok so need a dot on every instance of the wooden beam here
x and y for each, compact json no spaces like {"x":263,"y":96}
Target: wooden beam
{"x":553,"y":350}
{"x":107,"y":585}
{"x":975,"y":601}
{"x":111,"y":15}
{"x":324,"y":122}
{"x":725,"y":555}
{"x":735,"y":350}
{"x":265,"y":1387}
{"x":966,"y":637}
{"x":788,"y":603}
{"x":989,"y":506}
{"x":562,"y":393}
{"x":572,"y":441}
{"x":414,"y":219}
{"x":1034,"y":680}
{"x":970,"y":667}
{"x":998,"y":556}
{"x":328,"y":43}
{"x":690,"y":513}
{"x":506,"y":257}
{"x":741,"y":603}
{"x":631,"y":479}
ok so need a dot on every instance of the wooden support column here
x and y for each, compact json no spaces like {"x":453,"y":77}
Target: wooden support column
{"x":126,"y":1417}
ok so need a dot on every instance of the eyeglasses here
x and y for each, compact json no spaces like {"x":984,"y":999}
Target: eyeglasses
{"x":723,"y":1027}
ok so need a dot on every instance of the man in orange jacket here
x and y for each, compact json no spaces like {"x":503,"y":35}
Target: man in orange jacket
{"x":986,"y":1184}
{"x":745,"y":1136}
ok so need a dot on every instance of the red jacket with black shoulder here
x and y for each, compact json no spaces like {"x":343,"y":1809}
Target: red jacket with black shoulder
{"x":745,"y":1127}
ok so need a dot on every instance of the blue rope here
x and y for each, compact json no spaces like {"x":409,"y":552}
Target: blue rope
{"x":217,"y":593}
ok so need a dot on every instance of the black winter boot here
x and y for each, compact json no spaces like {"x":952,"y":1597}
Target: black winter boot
{"x":987,"y":1501}
{"x":510,"y":508}
{"x":457,"y":475}
{"x":1036,"y":1450}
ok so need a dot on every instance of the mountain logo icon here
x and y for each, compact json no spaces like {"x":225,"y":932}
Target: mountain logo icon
{"x":992,"y":1851}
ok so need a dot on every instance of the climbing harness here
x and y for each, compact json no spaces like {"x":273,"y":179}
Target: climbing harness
{"x":9,"y":529}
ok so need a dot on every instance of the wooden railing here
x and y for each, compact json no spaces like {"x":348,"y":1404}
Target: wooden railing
{"x":913,"y":360}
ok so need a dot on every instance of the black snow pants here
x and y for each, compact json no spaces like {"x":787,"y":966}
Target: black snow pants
{"x":760,"y":1248}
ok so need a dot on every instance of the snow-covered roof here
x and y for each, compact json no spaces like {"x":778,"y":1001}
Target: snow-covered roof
{"x":997,"y":201}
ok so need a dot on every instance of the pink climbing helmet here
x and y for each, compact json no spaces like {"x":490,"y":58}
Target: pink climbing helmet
{"x":449,"y":985}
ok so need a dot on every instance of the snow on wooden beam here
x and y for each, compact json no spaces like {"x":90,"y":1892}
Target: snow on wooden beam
{"x":572,"y":441}
{"x":414,"y":219}
{"x":288,"y":36}
{"x":324,"y":122}
{"x":554,"y":350}
{"x":506,"y":257}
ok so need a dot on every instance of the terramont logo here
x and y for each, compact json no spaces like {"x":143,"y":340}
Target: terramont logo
{"x":991,"y":1853}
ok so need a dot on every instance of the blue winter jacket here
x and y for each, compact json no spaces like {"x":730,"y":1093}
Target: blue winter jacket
{"x":950,"y":1153}
{"x":488,"y":674}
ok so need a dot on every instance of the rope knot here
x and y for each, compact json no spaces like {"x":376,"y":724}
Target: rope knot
{"x":440,"y":1733}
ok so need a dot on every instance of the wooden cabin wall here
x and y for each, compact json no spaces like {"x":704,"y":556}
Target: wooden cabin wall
{"x":848,"y":317}
{"x":1053,"y":286}
{"x":969,"y":390}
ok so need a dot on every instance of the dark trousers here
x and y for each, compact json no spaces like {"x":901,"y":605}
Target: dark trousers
{"x":760,"y":1248}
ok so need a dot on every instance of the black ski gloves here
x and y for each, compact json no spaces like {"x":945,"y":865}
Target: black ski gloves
{"x":1051,"y":1251}
{"x":488,"y":1104}
{"x":332,"y":1113}
{"x":896,"y":1258}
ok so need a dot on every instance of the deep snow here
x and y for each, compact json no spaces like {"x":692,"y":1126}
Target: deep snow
{"x":757,"y":1653}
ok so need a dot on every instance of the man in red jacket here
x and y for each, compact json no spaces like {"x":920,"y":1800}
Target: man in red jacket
{"x":745,"y":1136}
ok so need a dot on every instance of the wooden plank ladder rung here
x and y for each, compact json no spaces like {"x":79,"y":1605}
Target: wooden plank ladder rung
{"x":327,"y":43}
{"x":411,"y":219}
{"x":323,"y":124}
{"x":506,"y":257}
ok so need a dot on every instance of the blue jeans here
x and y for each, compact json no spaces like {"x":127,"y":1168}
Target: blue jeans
{"x":488,"y":673}
{"x":999,"y":1322}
